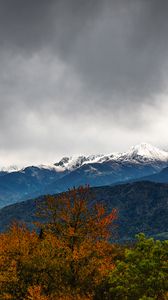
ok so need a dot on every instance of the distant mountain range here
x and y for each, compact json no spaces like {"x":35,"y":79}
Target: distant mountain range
{"x":162,"y":177}
{"x":142,"y":207}
{"x":96,"y":170}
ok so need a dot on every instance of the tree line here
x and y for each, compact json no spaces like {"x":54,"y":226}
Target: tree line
{"x":72,"y":256}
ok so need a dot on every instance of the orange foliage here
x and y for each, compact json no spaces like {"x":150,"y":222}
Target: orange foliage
{"x":15,"y":247}
{"x":82,"y":229}
{"x":35,"y":293}
{"x":68,"y":261}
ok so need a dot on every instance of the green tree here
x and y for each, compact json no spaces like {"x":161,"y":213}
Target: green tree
{"x":143,"y":274}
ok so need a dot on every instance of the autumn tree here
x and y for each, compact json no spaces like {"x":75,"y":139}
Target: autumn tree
{"x":81,"y":228}
{"x":15,"y":248}
{"x":70,"y":256}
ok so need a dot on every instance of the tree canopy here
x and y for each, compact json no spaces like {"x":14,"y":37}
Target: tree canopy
{"x":70,"y":256}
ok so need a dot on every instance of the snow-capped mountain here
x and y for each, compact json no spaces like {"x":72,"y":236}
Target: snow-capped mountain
{"x":141,"y":153}
{"x":141,"y":160}
{"x":74,"y":162}
{"x":10,"y":169}
{"x":96,"y":170}
{"x":144,"y":152}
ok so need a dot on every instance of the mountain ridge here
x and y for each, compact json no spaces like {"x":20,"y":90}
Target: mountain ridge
{"x":142,"y":207}
{"x":96,"y":170}
{"x":140,"y":152}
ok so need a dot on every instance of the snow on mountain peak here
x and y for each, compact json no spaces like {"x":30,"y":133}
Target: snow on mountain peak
{"x":142,"y":153}
{"x":10,"y":169}
{"x":147,"y":151}
{"x":68,"y":163}
{"x":73,"y":162}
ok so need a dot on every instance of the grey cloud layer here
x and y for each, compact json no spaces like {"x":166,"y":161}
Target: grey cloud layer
{"x":30,"y":25}
{"x":115,"y":46}
{"x":77,"y":65}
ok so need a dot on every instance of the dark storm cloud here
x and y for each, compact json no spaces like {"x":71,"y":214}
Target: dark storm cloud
{"x":115,"y":46}
{"x":30,"y":25}
{"x":125,"y":51}
{"x":71,"y":64}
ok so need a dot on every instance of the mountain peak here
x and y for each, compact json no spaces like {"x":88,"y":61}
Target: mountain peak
{"x":10,"y":169}
{"x":148,"y":151}
{"x":142,"y":153}
{"x":73,"y":162}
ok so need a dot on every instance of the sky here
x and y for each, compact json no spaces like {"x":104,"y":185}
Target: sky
{"x":81,"y":77}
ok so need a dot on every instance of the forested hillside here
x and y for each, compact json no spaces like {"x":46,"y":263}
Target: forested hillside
{"x":142,"y":207}
{"x":72,"y":256}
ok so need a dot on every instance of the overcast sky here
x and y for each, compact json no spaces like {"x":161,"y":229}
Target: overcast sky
{"x":81,"y":77}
